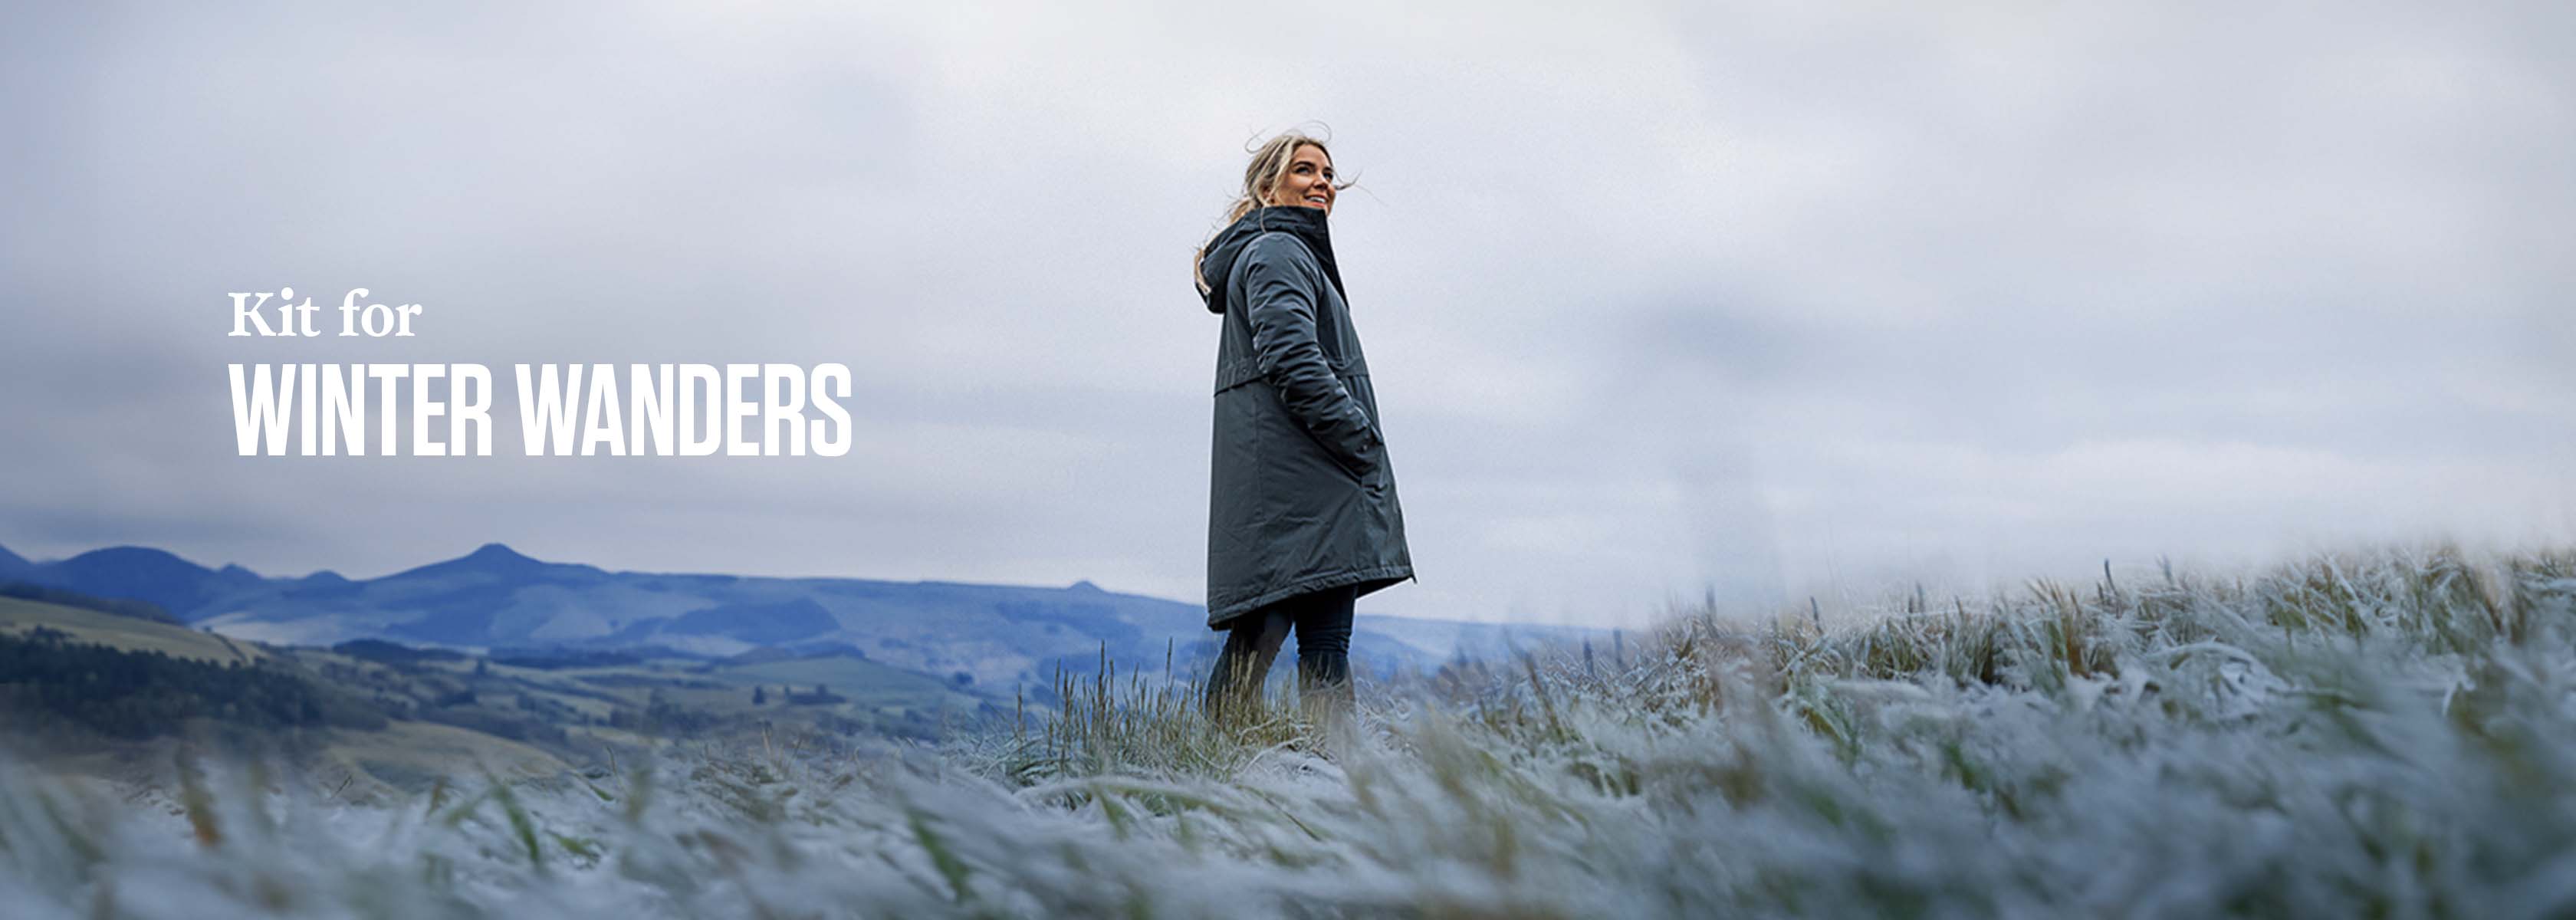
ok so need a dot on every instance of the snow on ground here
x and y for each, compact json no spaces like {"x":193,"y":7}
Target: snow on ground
{"x":2380,"y":734}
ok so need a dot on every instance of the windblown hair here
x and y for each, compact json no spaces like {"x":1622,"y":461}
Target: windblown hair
{"x":1270,"y":163}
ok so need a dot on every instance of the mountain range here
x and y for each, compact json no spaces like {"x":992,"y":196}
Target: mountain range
{"x":495,"y":599}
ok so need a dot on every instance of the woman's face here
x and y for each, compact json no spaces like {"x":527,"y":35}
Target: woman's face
{"x":1309,"y":182}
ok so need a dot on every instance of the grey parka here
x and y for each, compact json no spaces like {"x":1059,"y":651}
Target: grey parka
{"x":1301,"y":497}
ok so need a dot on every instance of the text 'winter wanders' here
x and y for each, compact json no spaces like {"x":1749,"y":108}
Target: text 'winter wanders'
{"x":688,"y":410}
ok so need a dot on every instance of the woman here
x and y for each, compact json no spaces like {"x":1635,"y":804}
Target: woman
{"x":1302,"y":514}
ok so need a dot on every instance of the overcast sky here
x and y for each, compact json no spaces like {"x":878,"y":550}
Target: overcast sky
{"x":1765,"y":300}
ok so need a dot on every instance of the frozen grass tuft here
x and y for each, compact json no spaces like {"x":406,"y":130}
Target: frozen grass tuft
{"x":2388,"y":733}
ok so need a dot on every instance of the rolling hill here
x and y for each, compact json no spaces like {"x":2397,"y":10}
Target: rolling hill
{"x":496,"y":598}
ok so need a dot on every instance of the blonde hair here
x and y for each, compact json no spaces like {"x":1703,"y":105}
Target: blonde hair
{"x":1270,"y":164}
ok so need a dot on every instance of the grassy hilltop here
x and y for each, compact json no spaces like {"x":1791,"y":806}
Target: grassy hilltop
{"x":2390,"y":733}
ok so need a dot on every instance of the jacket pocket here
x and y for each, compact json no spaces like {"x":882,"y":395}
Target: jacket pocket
{"x":1353,"y":376}
{"x":1362,"y":473}
{"x":1357,"y":476}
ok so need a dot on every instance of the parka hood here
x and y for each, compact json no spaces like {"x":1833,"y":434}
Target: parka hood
{"x":1307,"y":224}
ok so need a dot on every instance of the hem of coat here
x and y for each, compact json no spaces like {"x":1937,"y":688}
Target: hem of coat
{"x":1390,"y":574}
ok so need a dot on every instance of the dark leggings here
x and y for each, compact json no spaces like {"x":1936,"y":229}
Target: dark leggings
{"x":1322,"y":621}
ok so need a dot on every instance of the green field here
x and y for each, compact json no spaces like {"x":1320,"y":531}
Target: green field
{"x":21,"y":617}
{"x":460,"y":718}
{"x":865,"y":682}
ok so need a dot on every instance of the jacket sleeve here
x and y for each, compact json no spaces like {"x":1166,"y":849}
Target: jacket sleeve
{"x":1279,"y":301}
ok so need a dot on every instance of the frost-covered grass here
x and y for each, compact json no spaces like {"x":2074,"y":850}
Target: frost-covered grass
{"x":2386,"y":734}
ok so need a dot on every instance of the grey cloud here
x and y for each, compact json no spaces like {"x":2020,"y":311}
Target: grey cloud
{"x":1661,"y":299}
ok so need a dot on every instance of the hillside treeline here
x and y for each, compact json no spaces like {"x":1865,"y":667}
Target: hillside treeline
{"x":48,"y":682}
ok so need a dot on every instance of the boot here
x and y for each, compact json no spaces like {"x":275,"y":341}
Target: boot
{"x":1324,"y":690}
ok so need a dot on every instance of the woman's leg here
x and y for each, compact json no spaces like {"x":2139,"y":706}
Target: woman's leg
{"x":1250,"y":645}
{"x":1324,"y":648}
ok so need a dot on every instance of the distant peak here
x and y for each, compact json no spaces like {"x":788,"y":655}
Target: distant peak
{"x":496,"y":552}
{"x":1086,"y":585}
{"x":128,"y":551}
{"x":490,"y":559}
{"x":122,"y":556}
